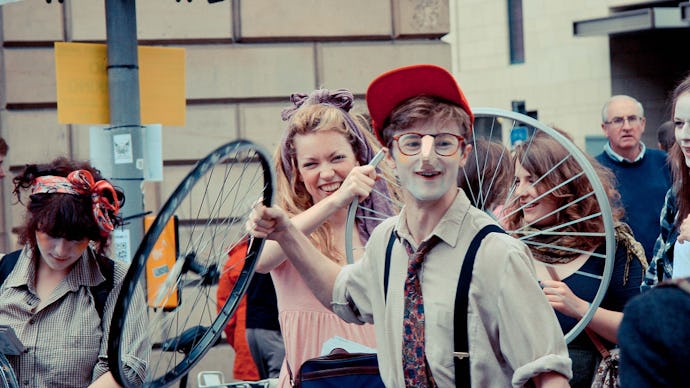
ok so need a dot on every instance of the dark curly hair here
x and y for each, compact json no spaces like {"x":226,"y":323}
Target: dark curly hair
{"x":61,"y":215}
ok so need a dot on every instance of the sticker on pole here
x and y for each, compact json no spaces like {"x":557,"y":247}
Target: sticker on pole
{"x":121,"y":249}
{"x":122,"y":149}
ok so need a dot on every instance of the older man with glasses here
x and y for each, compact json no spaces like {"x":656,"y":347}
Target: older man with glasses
{"x":642,"y":173}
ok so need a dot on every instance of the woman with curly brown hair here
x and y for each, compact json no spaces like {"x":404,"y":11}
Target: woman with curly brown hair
{"x":53,"y":296}
{"x":559,"y":214}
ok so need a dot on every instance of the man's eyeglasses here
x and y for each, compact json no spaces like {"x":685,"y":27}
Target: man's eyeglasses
{"x":445,"y":144}
{"x":618,"y":122}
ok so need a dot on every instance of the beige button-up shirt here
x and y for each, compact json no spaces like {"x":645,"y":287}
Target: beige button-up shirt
{"x":513,"y":331}
{"x":66,"y":342}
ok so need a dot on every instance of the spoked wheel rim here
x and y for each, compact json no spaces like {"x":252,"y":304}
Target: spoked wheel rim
{"x":385,"y":191}
{"x":211,"y":203}
{"x":506,"y":121}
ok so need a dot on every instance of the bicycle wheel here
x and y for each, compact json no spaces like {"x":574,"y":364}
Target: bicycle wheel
{"x":7,"y":376}
{"x":384,"y":201}
{"x":212,"y":204}
{"x":522,"y":129}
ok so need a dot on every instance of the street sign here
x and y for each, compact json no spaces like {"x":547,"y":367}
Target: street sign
{"x":82,"y":84}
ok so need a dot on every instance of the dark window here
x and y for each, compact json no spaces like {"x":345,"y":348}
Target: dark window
{"x":517,"y":39}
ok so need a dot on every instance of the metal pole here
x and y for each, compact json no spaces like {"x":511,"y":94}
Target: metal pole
{"x":125,"y":120}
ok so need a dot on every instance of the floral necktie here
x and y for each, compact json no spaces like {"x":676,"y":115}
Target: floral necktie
{"x":415,"y":366}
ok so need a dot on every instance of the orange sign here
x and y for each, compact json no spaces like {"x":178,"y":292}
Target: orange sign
{"x":159,"y":265}
{"x":82,"y":84}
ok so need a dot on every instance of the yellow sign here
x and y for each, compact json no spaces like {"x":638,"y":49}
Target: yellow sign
{"x":82,"y":84}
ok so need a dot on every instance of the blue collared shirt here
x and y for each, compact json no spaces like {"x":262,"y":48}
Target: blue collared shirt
{"x":615,"y":156}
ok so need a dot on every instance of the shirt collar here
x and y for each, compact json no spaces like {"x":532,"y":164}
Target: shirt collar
{"x":615,"y":156}
{"x":85,"y":271}
{"x":448,"y":228}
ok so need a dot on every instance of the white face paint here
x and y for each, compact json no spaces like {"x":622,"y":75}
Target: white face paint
{"x":681,"y":123}
{"x":427,"y":176}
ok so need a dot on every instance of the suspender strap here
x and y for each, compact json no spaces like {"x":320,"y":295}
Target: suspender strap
{"x":462,"y":366}
{"x":387,"y":270}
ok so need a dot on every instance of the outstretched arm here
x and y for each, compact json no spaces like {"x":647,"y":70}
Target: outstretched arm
{"x":358,"y":184}
{"x":316,"y":269}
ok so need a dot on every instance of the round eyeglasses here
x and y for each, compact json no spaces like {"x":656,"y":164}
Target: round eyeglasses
{"x":445,"y":144}
{"x":617,"y":122}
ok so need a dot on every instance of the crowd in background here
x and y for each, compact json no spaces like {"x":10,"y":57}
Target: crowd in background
{"x":536,"y":271}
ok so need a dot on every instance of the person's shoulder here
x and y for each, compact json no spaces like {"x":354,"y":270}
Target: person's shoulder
{"x":118,"y":269}
{"x":480,"y":219}
{"x":602,"y":157}
{"x":655,"y":155}
{"x":385,"y":227}
{"x":504,"y":241}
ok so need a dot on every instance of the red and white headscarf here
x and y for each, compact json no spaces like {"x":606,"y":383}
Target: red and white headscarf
{"x":81,"y":182}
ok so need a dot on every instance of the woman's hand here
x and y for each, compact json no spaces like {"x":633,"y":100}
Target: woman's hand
{"x":267,"y":222}
{"x":358,"y":184}
{"x":684,"y":230}
{"x":563,"y":300}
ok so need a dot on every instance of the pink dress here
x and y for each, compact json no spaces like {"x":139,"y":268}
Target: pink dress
{"x":306,"y":324}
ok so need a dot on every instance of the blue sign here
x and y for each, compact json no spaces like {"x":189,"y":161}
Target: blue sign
{"x":518,"y":135}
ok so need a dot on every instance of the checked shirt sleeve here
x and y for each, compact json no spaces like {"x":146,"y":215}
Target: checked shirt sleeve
{"x":664,"y":244}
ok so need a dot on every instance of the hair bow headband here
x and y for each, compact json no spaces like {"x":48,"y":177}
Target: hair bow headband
{"x":81,"y":182}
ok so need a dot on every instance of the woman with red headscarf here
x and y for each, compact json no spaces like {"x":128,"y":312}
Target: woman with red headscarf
{"x":52,"y":297}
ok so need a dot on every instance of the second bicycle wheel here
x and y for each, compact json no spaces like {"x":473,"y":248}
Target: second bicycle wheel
{"x":560,"y":174}
{"x":208,"y":211}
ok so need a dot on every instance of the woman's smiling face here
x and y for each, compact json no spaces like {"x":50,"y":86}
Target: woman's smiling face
{"x":534,"y":211}
{"x":324,"y":159}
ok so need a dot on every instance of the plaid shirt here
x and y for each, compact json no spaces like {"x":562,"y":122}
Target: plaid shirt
{"x":65,"y":339}
{"x":663,"y":248}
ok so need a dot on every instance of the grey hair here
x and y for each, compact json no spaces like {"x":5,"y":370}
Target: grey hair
{"x":605,"y":109}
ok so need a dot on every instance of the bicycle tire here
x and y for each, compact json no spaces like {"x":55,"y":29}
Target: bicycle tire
{"x":513,"y":120}
{"x":212,"y":230}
